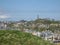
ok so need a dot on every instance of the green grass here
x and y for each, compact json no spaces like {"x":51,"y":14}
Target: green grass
{"x":13,"y":37}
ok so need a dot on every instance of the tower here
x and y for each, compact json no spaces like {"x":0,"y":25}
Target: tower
{"x":37,"y":16}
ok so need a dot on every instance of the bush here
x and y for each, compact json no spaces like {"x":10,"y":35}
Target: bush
{"x":13,"y":37}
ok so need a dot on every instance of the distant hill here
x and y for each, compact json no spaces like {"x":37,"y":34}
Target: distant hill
{"x":13,"y":37}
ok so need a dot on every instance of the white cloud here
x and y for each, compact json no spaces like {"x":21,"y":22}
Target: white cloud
{"x":4,"y":16}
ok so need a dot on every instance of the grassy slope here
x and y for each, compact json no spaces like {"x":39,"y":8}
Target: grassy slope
{"x":11,"y":37}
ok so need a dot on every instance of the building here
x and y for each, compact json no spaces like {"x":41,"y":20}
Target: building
{"x":3,"y":26}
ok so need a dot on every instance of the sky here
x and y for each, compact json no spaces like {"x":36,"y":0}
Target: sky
{"x":29,"y":9}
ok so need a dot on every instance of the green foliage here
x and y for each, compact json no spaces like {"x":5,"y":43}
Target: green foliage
{"x":10,"y":25}
{"x":13,"y":37}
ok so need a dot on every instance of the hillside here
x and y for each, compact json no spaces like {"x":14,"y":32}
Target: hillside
{"x":13,"y":37}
